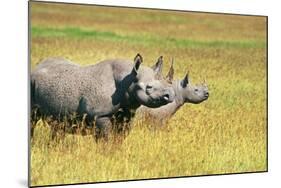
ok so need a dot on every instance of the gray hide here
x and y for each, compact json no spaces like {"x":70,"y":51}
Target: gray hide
{"x":185,"y":93}
{"x":60,"y":88}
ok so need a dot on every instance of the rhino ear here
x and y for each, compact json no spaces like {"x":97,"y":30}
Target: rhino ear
{"x":157,"y":68}
{"x":185,"y":81}
{"x":170,"y":74}
{"x":137,"y":61}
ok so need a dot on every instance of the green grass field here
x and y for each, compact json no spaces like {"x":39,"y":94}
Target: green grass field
{"x":225,"y":134}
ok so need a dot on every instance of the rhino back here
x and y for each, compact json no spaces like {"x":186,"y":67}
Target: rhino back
{"x":61,"y":86}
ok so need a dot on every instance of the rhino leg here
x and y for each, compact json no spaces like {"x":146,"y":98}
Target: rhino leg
{"x":122,"y":121}
{"x":103,"y":127}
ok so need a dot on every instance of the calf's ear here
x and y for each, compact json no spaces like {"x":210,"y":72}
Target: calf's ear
{"x":170,"y":74}
{"x":157,"y":68}
{"x":185,"y":81}
{"x":137,"y":61}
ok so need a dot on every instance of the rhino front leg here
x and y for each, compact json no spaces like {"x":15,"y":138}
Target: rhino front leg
{"x":103,"y":127}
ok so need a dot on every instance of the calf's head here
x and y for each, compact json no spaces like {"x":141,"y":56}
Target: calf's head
{"x":149,"y":89}
{"x":192,"y":93}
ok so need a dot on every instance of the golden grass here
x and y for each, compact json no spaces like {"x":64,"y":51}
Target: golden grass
{"x":225,"y":134}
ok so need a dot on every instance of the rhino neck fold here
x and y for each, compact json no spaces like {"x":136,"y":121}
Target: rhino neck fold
{"x":179,"y":100}
{"x":172,"y":108}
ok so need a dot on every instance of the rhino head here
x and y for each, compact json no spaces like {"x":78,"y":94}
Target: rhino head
{"x":185,"y":91}
{"x":148,"y":88}
{"x":192,"y":93}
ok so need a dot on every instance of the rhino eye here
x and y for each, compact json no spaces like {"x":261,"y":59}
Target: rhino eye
{"x":149,"y":89}
{"x":196,"y":90}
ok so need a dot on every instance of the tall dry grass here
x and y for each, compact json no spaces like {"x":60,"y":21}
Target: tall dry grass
{"x":225,"y":134}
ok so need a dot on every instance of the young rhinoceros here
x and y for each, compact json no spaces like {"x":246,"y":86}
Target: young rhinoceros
{"x":60,"y":88}
{"x":184,"y":93}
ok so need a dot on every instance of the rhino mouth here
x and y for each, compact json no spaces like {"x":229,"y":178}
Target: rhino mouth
{"x":166,"y":97}
{"x":206,"y":95}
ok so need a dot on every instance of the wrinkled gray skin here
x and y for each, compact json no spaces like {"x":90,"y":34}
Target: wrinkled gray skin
{"x":185,"y":93}
{"x":60,"y":88}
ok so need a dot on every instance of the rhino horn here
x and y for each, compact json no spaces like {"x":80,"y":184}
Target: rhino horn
{"x":158,"y":67}
{"x":205,"y":83}
{"x":170,"y":74}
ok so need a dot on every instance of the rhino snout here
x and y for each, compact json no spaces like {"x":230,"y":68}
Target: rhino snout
{"x":206,"y":94}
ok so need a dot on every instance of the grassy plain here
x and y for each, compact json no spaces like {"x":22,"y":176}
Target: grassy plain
{"x":225,"y":134}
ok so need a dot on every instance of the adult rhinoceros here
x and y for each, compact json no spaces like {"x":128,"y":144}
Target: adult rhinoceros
{"x":60,"y":88}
